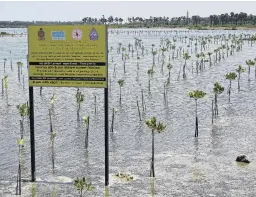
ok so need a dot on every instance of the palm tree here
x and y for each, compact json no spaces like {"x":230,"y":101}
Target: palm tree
{"x":230,"y":76}
{"x":160,"y":127}
{"x":249,"y":64}
{"x":239,"y":70}
{"x":197,"y":94}
{"x":185,"y":57}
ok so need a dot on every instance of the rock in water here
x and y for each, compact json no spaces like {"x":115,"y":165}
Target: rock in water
{"x":243,"y":158}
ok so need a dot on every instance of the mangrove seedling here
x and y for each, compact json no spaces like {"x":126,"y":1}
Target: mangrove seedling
{"x":154,"y":55}
{"x":79,"y":100}
{"x":230,"y":76}
{"x":185,"y":57}
{"x":150,"y":76}
{"x":19,"y":64}
{"x":86,"y":123}
{"x":155,"y":127}
{"x":4,"y":63}
{"x":81,"y":184}
{"x":121,"y":84}
{"x":197,"y":94}
{"x":239,"y":70}
{"x":249,"y":64}
{"x":217,"y":89}
{"x":169,"y":67}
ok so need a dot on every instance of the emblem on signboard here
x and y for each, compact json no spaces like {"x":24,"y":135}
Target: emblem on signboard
{"x":94,"y":35}
{"x":77,"y":34}
{"x":41,"y":34}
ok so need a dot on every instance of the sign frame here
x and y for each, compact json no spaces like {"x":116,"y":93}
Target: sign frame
{"x":106,"y":105}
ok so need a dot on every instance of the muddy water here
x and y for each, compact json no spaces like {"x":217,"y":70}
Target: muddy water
{"x":184,"y":166}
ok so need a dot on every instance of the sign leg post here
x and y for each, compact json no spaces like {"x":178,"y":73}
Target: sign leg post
{"x":106,"y":138}
{"x":32,"y":133}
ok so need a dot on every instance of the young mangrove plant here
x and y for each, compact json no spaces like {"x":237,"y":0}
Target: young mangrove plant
{"x":239,"y":70}
{"x":230,"y":76}
{"x":249,"y":64}
{"x":79,"y":100}
{"x":155,"y":127}
{"x":52,"y":139}
{"x":86,"y":124}
{"x":186,"y":56}
{"x":19,"y":64}
{"x":82,"y":184}
{"x":121,"y":84}
{"x":150,"y":76}
{"x":169,"y":67}
{"x":197,"y":94}
{"x":217,"y":89}
{"x":18,"y":185}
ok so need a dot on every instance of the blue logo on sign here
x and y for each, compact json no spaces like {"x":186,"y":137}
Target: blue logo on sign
{"x":58,"y":35}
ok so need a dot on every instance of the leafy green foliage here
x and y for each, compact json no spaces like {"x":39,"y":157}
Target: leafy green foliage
{"x":53,"y":135}
{"x":20,"y":142}
{"x":121,"y":82}
{"x":218,"y":89}
{"x":240,"y":69}
{"x":169,"y":66}
{"x":186,"y":56}
{"x":81,"y":184}
{"x":197,"y":94}
{"x":53,"y":98}
{"x":85,"y":120}
{"x":231,"y":76}
{"x":151,"y":72}
{"x":152,"y":124}
{"x":5,"y":78}
{"x":124,"y":176}
{"x":250,"y":62}
{"x":79,"y":97}
{"x":19,"y":64}
{"x":23,"y":109}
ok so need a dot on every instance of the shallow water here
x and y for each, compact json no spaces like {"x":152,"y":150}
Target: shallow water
{"x":184,"y":166}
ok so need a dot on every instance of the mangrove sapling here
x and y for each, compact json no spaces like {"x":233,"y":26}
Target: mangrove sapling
{"x":239,"y":70}
{"x":18,"y":186}
{"x":197,"y":94}
{"x":138,"y":109}
{"x":121,"y":84}
{"x":249,"y":64}
{"x":154,"y":54}
{"x":52,"y":138}
{"x":23,"y":111}
{"x":19,"y":64}
{"x":4,"y":63}
{"x":150,"y":76}
{"x":143,"y":102}
{"x":82,"y":184}
{"x":185,"y":57}
{"x":217,"y":89}
{"x":86,"y":123}
{"x":210,"y":60}
{"x":79,"y":100}
{"x":230,"y":76}
{"x":112,"y":122}
{"x":169,"y":67}
{"x":155,"y":127}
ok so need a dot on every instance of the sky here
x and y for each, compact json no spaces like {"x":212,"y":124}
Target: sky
{"x":77,"y":10}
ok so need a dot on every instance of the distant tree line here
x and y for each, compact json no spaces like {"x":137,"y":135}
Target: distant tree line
{"x":232,"y":19}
